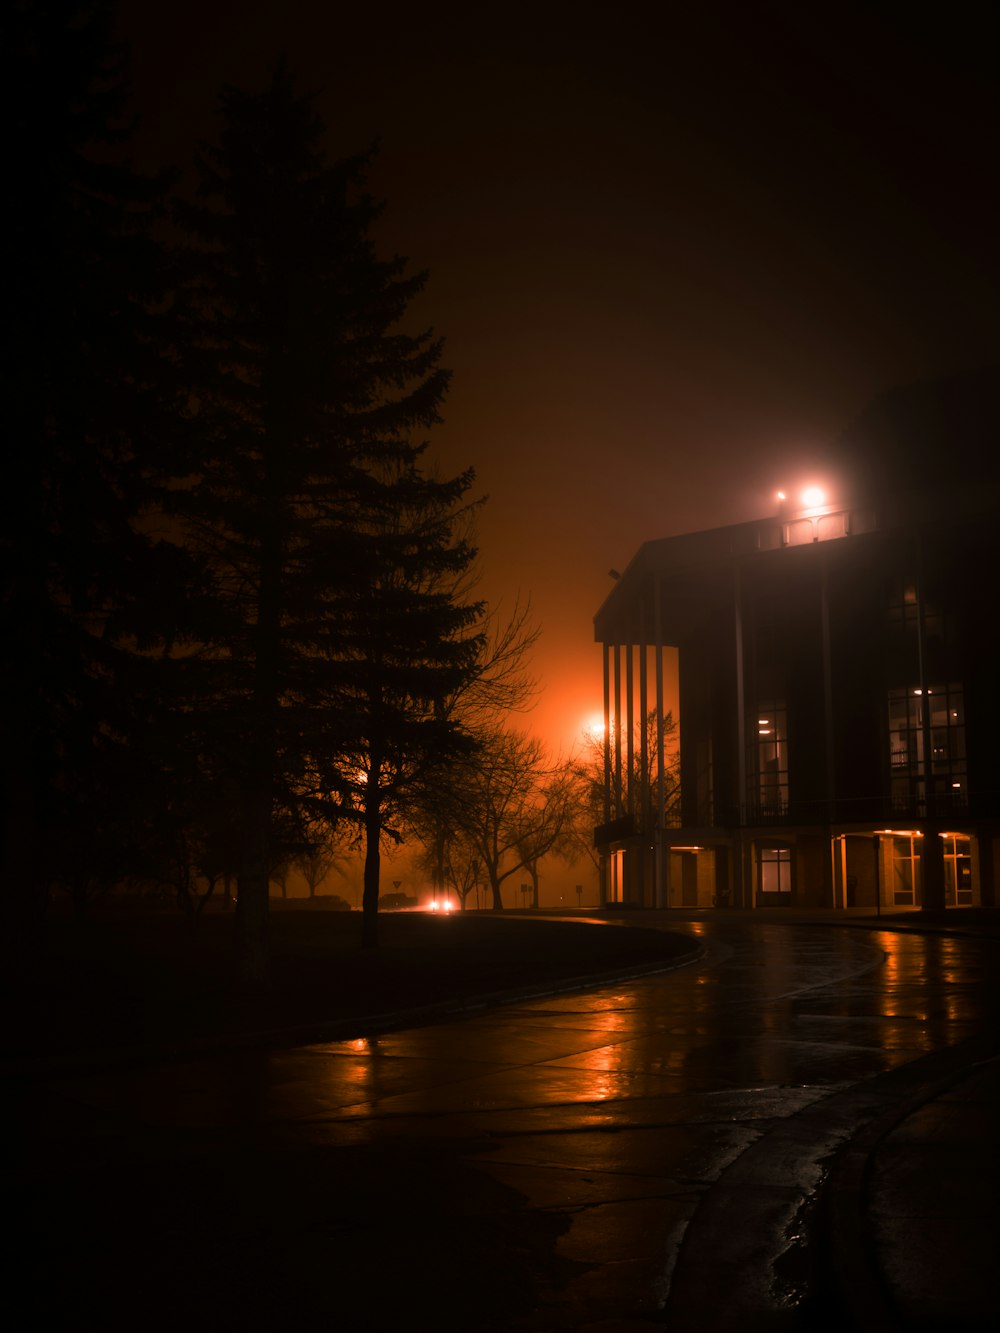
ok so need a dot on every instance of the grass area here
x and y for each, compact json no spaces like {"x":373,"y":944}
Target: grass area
{"x":139,"y":978}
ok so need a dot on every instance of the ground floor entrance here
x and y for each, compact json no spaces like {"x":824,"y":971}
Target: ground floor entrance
{"x":873,"y":870}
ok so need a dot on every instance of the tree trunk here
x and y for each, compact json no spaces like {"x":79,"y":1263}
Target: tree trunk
{"x":22,"y":861}
{"x":252,"y":889}
{"x":254,"y":881}
{"x":251,"y":929}
{"x":373,"y":862}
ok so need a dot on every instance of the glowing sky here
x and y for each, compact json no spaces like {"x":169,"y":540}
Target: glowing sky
{"x":672,"y":256}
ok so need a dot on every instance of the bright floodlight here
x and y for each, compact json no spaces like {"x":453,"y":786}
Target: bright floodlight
{"x":813,"y":497}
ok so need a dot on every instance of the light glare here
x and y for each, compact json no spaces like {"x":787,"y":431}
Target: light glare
{"x":594,"y":727}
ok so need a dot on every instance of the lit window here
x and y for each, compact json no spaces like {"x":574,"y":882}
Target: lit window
{"x":775,"y":870}
{"x":768,"y":761}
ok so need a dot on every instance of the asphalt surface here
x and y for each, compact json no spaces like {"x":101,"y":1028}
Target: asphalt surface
{"x":796,"y":1130}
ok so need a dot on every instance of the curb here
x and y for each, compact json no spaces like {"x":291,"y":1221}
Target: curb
{"x":762,"y":1253}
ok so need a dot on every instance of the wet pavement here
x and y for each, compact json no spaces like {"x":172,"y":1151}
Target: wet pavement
{"x":792,"y":1132}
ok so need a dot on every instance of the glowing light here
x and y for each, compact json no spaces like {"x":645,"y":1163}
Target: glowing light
{"x":813,"y":497}
{"x":594,"y":727}
{"x":441,"y":905}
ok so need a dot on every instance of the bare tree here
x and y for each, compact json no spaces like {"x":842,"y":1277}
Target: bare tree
{"x":502,"y":683}
{"x":546,"y":826}
{"x":449,"y":860}
{"x":586,"y":778}
{"x":503,"y":806}
{"x":450,"y":809}
{"x":318,"y":862}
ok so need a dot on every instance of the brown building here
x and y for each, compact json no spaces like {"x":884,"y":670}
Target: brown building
{"x":838,"y":674}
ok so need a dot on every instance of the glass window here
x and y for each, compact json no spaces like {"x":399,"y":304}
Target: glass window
{"x":775,"y":870}
{"x":768,"y":767}
{"x":904,"y":870}
{"x":958,"y":888}
{"x":918,"y":723}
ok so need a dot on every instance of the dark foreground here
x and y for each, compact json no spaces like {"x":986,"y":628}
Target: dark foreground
{"x":139,"y":981}
{"x":792,"y":1134}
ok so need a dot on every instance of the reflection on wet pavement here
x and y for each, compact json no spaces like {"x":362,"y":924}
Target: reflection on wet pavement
{"x":584,"y":1127}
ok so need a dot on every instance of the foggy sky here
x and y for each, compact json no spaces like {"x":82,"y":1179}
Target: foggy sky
{"x":672,"y":255}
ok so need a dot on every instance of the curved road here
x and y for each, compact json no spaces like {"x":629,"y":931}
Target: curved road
{"x":638,"y":1156}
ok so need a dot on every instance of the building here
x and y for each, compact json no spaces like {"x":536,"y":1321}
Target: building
{"x":835,"y":673}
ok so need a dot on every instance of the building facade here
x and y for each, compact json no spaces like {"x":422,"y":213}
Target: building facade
{"x":831,"y":674}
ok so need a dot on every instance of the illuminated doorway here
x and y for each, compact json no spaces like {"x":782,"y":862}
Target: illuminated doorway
{"x":904,"y":870}
{"x":774,"y":875}
{"x":959,"y":885}
{"x":616,"y":877}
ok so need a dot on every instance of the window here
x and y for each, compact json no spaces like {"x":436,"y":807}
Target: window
{"x":774,"y":870}
{"x":768,"y":767}
{"x":817,"y":528}
{"x":904,"y":869}
{"x":958,"y":887}
{"x":921,"y":726}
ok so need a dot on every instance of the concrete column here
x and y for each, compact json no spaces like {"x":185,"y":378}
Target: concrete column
{"x":743,"y":881}
{"x":829,"y":891}
{"x":630,"y":733}
{"x":607,"y":732}
{"x":619,"y":811}
{"x":932,"y":870}
{"x":662,"y":893}
{"x":984,"y":865}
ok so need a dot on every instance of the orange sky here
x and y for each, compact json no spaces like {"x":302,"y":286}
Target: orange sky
{"x":671,"y":257}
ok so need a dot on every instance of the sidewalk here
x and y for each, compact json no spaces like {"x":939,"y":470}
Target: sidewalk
{"x":913,"y":1197}
{"x":911,"y":1211}
{"x":900,"y":1235}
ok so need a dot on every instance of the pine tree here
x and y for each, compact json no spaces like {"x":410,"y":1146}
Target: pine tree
{"x":305,"y":499}
{"x":410,"y":640}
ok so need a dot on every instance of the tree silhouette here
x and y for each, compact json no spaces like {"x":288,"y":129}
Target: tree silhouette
{"x":410,"y":640}
{"x":587,"y":780}
{"x":502,"y":809}
{"x":82,"y":383}
{"x":304,"y":497}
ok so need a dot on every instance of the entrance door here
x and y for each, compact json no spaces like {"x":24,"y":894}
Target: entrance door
{"x":774,"y":876}
{"x":689,"y":879}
